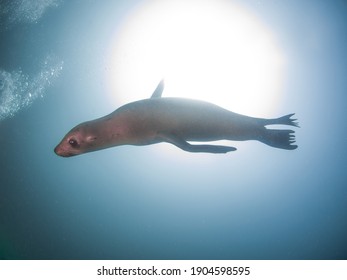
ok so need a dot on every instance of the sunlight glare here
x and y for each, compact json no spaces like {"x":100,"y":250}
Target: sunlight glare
{"x":215,"y":51}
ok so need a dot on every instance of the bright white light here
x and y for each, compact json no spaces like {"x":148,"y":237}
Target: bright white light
{"x":209,"y":50}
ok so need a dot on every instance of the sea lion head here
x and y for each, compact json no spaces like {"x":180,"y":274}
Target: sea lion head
{"x":81,"y":139}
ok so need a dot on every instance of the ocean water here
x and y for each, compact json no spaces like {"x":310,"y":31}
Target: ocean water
{"x":158,"y":202}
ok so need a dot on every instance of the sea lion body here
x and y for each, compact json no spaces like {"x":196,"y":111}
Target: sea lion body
{"x":176,"y":121}
{"x":191,"y":120}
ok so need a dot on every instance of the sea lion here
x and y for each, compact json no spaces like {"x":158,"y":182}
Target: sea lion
{"x":176,"y":121}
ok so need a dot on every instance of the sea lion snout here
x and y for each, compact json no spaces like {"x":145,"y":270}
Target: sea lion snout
{"x":60,"y":152}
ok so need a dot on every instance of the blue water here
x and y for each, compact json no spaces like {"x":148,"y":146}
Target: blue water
{"x":145,"y":203}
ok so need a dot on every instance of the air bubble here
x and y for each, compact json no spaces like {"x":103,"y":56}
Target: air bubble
{"x":18,"y":90}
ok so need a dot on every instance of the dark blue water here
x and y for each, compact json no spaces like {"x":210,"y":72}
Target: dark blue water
{"x":141,"y":202}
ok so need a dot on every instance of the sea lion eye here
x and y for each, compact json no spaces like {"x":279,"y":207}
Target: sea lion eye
{"x":73,"y":143}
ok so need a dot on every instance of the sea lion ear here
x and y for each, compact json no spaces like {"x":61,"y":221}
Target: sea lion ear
{"x":159,"y":90}
{"x":91,"y":138}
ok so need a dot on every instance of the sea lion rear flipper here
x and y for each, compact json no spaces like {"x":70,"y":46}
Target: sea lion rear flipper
{"x":184,"y":145}
{"x":279,"y":138}
{"x":159,"y":90}
{"x":285,"y":120}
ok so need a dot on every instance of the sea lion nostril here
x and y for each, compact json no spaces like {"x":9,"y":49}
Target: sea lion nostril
{"x":56,"y":150}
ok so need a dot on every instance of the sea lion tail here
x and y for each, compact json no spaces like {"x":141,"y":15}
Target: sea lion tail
{"x":285,"y":120}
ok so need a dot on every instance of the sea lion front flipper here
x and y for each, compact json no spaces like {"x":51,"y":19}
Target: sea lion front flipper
{"x":184,"y":145}
{"x":159,"y":90}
